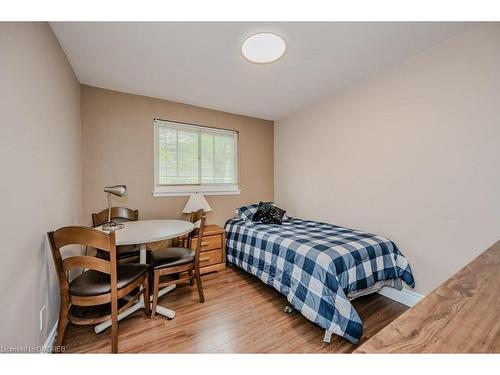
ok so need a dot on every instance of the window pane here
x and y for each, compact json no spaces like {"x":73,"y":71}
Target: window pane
{"x":187,"y":151}
{"x":207,"y":158}
{"x":218,"y":156}
{"x":178,"y":156}
{"x":167,"y":154}
{"x":191,"y":155}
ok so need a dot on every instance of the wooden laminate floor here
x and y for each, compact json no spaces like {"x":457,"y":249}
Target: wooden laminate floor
{"x":240,"y":315}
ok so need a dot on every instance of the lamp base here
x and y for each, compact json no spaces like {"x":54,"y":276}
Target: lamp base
{"x":112,"y":226}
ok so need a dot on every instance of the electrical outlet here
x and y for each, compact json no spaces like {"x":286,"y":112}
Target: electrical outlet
{"x":43,"y":313}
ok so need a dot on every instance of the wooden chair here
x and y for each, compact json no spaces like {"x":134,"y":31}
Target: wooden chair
{"x":124,"y":253}
{"x":179,"y":260}
{"x":102,"y":282}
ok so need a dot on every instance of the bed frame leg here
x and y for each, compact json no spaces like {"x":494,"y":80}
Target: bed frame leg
{"x":328,"y":336}
{"x":288,"y":309}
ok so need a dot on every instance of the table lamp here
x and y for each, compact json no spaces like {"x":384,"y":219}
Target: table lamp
{"x":119,"y":191}
{"x":195,"y":202}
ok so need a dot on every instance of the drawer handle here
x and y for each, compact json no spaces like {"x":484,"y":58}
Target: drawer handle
{"x":205,"y":244}
{"x":204,"y":259}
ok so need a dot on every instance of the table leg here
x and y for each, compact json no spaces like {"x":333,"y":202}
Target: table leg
{"x":170,"y":314}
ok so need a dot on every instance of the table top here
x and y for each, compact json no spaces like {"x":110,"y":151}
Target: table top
{"x":460,"y":316}
{"x":146,"y":231}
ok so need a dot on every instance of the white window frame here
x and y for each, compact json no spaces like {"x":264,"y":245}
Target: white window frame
{"x":160,"y":190}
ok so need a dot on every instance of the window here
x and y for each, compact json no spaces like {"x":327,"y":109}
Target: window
{"x":191,"y":158}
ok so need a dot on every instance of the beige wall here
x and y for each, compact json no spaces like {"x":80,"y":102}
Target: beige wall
{"x":117,"y":132}
{"x":40,"y":159}
{"x":412,"y":153}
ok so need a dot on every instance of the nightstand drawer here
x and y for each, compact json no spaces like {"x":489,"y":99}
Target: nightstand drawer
{"x":208,"y":243}
{"x":207,"y":258}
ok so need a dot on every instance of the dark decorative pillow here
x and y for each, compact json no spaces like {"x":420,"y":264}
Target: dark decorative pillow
{"x":260,"y":213}
{"x":268,"y":213}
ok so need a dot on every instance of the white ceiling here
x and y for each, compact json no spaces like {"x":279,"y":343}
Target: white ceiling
{"x":200,"y":63}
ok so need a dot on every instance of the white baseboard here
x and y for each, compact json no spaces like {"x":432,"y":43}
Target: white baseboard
{"x":405,"y":296}
{"x":49,"y":343}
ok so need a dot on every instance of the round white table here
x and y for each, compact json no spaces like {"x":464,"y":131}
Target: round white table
{"x":143,"y":232}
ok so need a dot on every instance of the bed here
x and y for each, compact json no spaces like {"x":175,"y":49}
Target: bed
{"x":319,"y":267}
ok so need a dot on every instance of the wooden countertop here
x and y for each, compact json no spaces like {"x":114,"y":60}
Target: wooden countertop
{"x":460,"y":316}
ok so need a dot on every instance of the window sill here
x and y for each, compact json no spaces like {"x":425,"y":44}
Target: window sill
{"x":186,"y":192}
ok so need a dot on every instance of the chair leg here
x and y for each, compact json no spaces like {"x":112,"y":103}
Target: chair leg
{"x":146,"y":296}
{"x":114,"y":326}
{"x":191,"y":280}
{"x":63,"y":320}
{"x":199,"y":286}
{"x":156,"y":284}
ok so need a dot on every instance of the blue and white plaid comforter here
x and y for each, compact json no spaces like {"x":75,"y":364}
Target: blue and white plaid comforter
{"x":316,"y":265}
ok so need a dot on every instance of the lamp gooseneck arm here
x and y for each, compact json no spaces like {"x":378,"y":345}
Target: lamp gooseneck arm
{"x":109,"y":208}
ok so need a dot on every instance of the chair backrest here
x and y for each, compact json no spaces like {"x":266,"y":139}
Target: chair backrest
{"x":117,"y":214}
{"x":79,"y":235}
{"x":198,"y":219}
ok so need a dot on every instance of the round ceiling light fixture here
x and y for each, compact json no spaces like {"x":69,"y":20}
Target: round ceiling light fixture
{"x":263,"y":48}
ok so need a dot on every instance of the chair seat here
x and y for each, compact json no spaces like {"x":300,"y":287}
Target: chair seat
{"x":94,"y":283}
{"x":171,"y":256}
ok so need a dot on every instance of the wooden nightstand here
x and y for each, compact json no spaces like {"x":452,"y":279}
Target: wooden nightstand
{"x":213,"y":249}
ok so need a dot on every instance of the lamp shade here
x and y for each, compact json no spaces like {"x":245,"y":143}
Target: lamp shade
{"x":118,"y":190}
{"x":195,"y":202}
